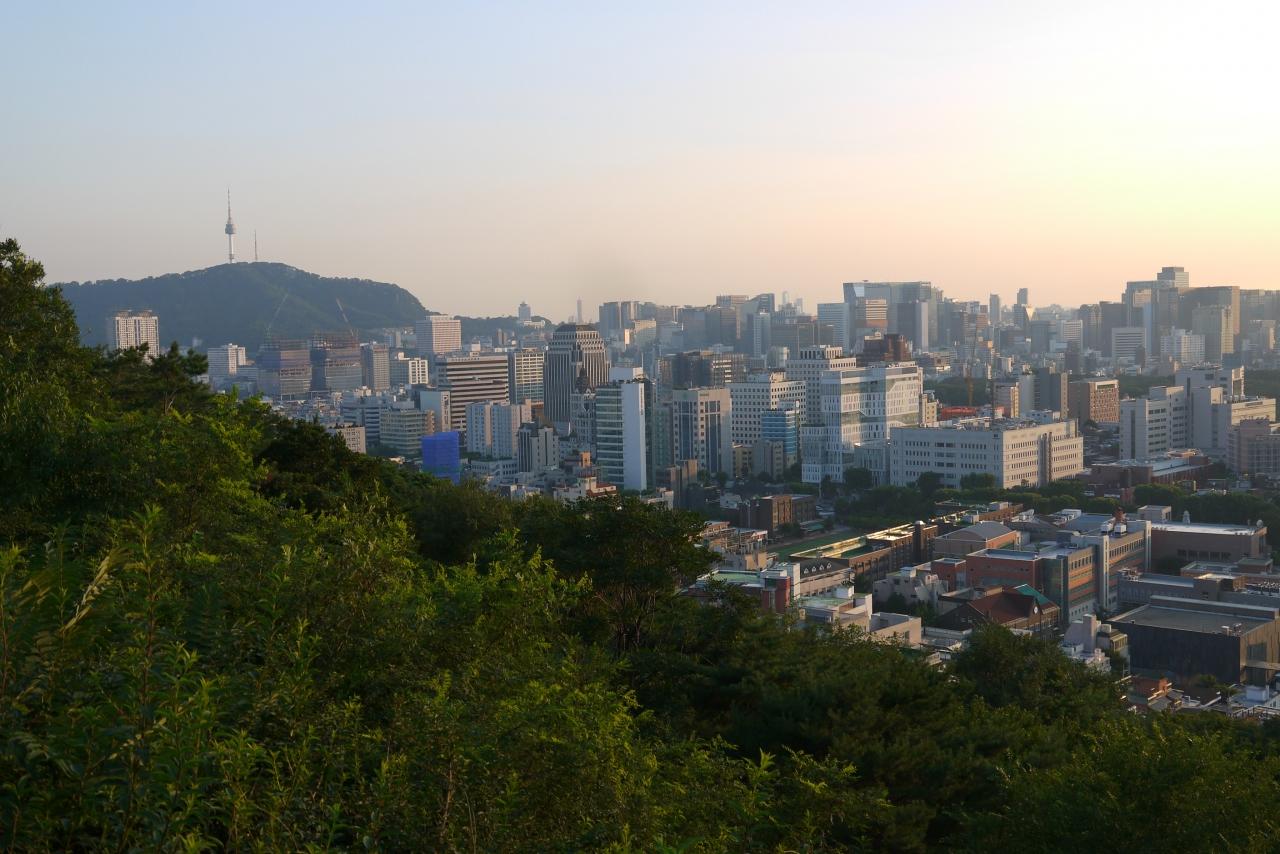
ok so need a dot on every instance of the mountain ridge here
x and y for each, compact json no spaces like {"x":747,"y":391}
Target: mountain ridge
{"x":244,"y":302}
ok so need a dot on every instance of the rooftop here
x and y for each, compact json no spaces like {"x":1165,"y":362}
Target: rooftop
{"x":1203,"y":528}
{"x":1199,"y":617}
{"x":986,"y":425}
{"x":982,"y":530}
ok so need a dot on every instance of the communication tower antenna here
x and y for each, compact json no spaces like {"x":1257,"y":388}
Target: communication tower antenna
{"x":230,"y":231}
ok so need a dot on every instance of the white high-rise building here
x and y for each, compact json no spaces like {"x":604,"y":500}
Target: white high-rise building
{"x":1015,"y":453}
{"x":859,"y":406}
{"x":622,"y":429}
{"x":438,"y":334}
{"x":808,"y":366}
{"x":492,"y":427}
{"x":758,"y":394}
{"x":127,"y":330}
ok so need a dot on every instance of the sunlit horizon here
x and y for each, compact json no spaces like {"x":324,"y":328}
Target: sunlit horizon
{"x":670,"y":154}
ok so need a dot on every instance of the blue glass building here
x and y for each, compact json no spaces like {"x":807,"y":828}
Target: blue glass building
{"x":442,"y":455}
{"x":782,"y":425}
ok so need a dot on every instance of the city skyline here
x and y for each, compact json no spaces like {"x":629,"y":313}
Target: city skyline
{"x":1065,"y":150}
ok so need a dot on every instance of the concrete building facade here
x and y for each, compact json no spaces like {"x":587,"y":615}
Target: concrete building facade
{"x":1015,"y":453}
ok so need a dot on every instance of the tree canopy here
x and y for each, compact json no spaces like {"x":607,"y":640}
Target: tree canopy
{"x":221,"y":629}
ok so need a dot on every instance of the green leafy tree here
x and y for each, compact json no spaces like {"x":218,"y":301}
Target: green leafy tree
{"x":978,"y":480}
{"x":857,"y":479}
{"x":929,"y":483}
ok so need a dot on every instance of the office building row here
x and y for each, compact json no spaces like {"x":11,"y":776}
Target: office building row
{"x":1198,"y":411}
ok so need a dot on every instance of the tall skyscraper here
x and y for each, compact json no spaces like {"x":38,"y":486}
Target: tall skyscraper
{"x":701,"y":428}
{"x":1177,"y":278}
{"x":993,"y":310}
{"x":524,"y":314}
{"x":783,"y":427}
{"x":438,"y":334}
{"x":1024,"y":296}
{"x":1051,"y":391}
{"x":336,"y":363}
{"x":576,"y":361}
{"x":703,"y":368}
{"x":1214,"y":323}
{"x":525,"y":368}
{"x":375,"y":366}
{"x":471,"y":378}
{"x":622,"y":429}
{"x":912,"y":308}
{"x":1129,"y":344}
{"x":127,"y":330}
{"x":284,"y":369}
{"x":837,"y":316}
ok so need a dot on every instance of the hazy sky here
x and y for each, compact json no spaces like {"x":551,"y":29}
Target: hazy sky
{"x":482,"y":153}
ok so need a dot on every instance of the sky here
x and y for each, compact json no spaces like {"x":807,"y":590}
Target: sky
{"x":479,"y":154}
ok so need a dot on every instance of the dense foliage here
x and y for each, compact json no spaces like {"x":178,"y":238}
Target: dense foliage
{"x":220,"y":629}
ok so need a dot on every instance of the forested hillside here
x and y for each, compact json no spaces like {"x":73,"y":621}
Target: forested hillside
{"x":219,"y":629}
{"x":243,"y":303}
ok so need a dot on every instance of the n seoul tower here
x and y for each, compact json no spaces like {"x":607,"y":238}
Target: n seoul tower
{"x":230,"y":231}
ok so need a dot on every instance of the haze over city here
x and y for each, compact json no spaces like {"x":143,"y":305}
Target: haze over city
{"x":482,"y":156}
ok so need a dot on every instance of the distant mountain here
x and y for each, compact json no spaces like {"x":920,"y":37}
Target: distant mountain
{"x":242,"y":302}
